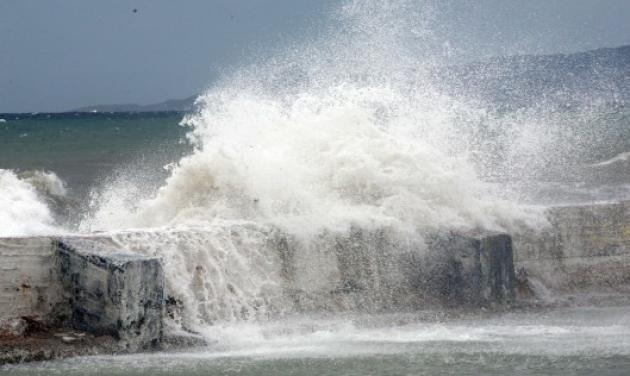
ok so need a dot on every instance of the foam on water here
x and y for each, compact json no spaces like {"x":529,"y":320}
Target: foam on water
{"x":516,"y":333}
{"x":23,"y":200}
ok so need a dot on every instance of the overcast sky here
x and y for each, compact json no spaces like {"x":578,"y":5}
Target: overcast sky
{"x":64,"y":54}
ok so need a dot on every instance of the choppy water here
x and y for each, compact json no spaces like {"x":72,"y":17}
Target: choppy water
{"x":569,"y":341}
{"x":85,"y":148}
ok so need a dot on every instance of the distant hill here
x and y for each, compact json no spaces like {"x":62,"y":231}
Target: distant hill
{"x":176,"y":105}
{"x":600,"y":75}
{"x":513,"y":81}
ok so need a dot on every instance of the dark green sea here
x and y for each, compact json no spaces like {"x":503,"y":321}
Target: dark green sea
{"x":85,"y":148}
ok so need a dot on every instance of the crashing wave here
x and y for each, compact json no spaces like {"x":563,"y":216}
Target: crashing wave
{"x":24,"y":202}
{"x":339,"y":134}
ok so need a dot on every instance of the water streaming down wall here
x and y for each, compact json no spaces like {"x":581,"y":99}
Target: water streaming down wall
{"x":245,"y":272}
{"x":122,"y":283}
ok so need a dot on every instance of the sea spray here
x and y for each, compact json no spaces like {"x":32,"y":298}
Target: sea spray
{"x":337,"y":142}
{"x":314,"y":161}
{"x":25,"y":202}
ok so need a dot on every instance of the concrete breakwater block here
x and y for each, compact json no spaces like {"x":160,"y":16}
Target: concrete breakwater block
{"x":475,"y":269}
{"x":586,"y":248}
{"x":96,"y":285}
{"x":379,"y":271}
{"x":76,"y":295}
{"x":29,"y":282}
{"x":111,"y":291}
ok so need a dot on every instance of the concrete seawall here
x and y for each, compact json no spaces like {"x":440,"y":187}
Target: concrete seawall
{"x":76,"y":295}
{"x":587,"y":248}
{"x":29,"y":282}
{"x":86,"y":294}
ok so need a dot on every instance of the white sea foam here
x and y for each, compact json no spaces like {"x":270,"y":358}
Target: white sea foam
{"x":23,"y":207}
{"x":341,"y":132}
{"x":344,"y":129}
{"x":321,"y":161}
{"x":622,"y":157}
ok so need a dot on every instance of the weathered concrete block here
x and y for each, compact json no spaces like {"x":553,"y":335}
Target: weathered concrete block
{"x":381,"y":271}
{"x":29,"y":285}
{"x":586,"y":248}
{"x":469,"y":269}
{"x":359,"y":270}
{"x":498,"y":278}
{"x":112,"y":291}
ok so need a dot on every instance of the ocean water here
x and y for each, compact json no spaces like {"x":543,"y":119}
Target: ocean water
{"x":55,"y":163}
{"x":84,"y":148}
{"x":567,"y":341}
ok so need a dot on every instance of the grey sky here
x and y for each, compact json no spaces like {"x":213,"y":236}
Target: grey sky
{"x":59,"y":55}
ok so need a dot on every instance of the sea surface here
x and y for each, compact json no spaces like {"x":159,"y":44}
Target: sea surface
{"x":563,"y":341}
{"x":84,"y":148}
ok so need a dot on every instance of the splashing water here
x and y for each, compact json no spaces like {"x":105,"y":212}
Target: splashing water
{"x":24,"y":202}
{"x":343,"y":132}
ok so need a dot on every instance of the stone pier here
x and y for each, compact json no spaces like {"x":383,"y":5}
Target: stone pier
{"x":111,"y":291}
{"x":382,"y":271}
{"x":76,"y":295}
{"x":474,"y":270}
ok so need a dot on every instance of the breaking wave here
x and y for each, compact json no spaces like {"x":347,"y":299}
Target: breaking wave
{"x":342,"y":130}
{"x":26,"y":199}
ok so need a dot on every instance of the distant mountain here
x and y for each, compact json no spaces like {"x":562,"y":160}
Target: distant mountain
{"x":172,"y":105}
{"x":601,"y":75}
{"x":515,"y":81}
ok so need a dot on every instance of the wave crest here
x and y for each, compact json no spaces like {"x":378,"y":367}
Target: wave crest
{"x":24,"y":199}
